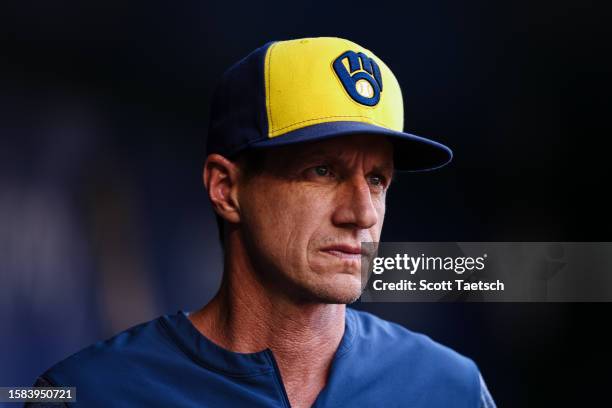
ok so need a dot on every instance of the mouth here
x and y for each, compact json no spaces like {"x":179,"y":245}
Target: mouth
{"x":343,"y":251}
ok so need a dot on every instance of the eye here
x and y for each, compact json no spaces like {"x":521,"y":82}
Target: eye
{"x":322,"y":170}
{"x":378,"y":181}
{"x":320,"y":173}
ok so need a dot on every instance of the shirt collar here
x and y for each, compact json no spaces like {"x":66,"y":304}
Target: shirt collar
{"x":208,"y":354}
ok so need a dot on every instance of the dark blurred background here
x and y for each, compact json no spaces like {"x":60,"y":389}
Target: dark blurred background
{"x":104,"y":222}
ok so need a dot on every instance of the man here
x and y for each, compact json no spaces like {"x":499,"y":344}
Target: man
{"x":304,"y":138}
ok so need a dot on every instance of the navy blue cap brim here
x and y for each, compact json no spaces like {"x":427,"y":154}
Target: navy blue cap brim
{"x":411,"y":152}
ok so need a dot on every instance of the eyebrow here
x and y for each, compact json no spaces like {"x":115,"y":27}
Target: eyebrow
{"x":313,"y":154}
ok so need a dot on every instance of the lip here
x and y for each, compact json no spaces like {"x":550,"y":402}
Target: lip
{"x":343,"y":251}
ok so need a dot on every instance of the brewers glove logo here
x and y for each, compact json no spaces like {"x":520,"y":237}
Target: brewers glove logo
{"x":362,"y":81}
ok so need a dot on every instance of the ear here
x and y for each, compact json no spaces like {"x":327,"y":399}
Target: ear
{"x":221,"y":180}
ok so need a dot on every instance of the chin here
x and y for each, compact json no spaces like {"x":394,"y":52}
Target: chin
{"x":341,"y":290}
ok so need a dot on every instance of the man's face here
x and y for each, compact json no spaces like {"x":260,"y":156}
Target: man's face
{"x":304,"y":217}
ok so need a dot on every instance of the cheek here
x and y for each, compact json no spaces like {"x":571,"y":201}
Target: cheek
{"x":305,"y":211}
{"x":283,"y":220}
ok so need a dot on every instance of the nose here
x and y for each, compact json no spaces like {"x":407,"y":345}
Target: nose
{"x":355,"y":206}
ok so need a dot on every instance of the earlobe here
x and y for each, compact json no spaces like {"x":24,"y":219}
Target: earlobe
{"x":220,"y":178}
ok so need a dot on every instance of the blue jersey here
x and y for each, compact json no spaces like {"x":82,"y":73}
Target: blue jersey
{"x":167,"y":362}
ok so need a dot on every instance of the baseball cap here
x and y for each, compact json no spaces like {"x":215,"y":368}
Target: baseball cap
{"x":308,"y":89}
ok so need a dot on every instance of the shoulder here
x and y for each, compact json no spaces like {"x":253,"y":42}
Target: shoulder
{"x":388,"y":335}
{"x":391,"y":348}
{"x":132,"y":349}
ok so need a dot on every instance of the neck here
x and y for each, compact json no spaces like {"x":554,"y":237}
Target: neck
{"x":247,"y":316}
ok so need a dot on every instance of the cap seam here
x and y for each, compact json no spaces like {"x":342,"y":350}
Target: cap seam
{"x":251,"y":143}
{"x":333,"y":116}
{"x":268,"y":107}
